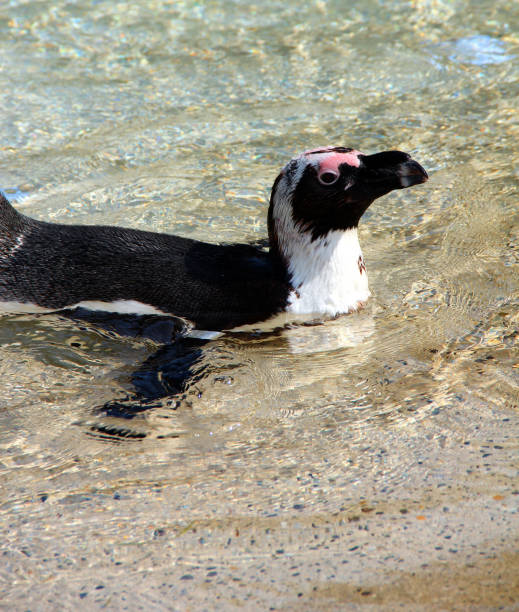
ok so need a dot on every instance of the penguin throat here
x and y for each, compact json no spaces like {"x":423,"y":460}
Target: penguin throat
{"x":327,"y":274}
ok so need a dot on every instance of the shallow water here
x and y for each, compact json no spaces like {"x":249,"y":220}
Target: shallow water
{"x":367,"y":463}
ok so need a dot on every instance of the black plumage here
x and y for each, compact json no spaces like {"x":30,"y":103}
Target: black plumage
{"x":212,"y":286}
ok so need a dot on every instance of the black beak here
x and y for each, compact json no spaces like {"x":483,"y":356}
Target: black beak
{"x":383,"y":172}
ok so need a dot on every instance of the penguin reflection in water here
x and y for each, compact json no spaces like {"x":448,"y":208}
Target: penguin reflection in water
{"x":312,"y":269}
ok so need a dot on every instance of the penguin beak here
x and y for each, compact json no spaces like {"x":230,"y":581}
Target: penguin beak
{"x":383,"y":172}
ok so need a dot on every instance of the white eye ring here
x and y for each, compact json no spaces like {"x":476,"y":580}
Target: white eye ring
{"x":328,"y":177}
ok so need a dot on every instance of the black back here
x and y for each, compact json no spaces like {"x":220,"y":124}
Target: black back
{"x":213,"y":286}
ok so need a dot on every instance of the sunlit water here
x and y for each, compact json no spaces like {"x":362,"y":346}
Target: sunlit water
{"x":369,"y":461}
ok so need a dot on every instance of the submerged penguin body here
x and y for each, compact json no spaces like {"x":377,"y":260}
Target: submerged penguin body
{"x":314,"y":264}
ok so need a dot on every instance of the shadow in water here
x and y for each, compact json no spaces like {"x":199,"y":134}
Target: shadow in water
{"x":168,"y":374}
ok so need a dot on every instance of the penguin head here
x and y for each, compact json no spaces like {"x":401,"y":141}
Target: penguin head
{"x":330,"y":188}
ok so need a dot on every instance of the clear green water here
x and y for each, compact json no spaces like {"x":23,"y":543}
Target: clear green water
{"x":374,"y":473}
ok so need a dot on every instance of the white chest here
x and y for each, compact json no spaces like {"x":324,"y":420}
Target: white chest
{"x":328,"y":274}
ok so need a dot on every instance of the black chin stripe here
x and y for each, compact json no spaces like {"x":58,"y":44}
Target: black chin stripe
{"x":321,"y":229}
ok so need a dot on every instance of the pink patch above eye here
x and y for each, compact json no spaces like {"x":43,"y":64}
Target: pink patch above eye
{"x":329,"y":161}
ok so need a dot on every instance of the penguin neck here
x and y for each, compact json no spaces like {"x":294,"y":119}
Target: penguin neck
{"x":327,"y":274}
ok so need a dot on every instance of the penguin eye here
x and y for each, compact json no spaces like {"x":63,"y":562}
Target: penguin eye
{"x":328,"y":177}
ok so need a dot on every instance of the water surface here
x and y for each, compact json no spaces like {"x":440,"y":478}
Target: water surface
{"x":370,"y":462}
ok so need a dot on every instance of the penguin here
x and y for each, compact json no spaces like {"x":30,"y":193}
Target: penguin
{"x":313,"y":266}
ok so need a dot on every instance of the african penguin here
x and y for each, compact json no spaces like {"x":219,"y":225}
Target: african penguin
{"x":314,"y":265}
